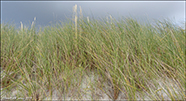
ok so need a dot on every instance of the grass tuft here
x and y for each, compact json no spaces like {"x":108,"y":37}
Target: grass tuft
{"x":125,"y":55}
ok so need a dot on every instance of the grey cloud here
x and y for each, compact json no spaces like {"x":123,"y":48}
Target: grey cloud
{"x":55,"y":11}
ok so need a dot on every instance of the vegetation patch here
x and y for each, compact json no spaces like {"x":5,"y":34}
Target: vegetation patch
{"x":117,"y":58}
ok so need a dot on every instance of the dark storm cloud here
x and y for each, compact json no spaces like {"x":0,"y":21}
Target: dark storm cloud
{"x":26,"y":11}
{"x":48,"y":11}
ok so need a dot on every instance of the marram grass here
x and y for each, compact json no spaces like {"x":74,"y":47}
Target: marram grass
{"x":126,"y":55}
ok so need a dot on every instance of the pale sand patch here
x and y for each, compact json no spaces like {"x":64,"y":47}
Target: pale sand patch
{"x":90,"y":90}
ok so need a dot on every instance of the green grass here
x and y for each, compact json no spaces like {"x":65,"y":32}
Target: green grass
{"x":125,"y":54}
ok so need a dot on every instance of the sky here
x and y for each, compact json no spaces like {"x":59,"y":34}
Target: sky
{"x":47,"y":12}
